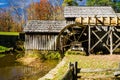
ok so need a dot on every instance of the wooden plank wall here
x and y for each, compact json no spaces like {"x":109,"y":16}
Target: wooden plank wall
{"x":40,"y":42}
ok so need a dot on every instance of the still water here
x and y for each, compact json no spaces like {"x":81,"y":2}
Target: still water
{"x":12,"y":70}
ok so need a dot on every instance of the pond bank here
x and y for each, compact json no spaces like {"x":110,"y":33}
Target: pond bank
{"x":14,"y":69}
{"x":51,"y":74}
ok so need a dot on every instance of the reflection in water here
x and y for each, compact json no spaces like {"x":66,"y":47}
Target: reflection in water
{"x":18,"y":72}
{"x":13,"y":71}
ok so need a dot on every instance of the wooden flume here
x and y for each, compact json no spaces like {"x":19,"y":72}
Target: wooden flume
{"x":98,"y":21}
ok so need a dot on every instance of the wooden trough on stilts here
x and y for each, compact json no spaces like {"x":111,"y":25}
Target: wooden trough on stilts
{"x":109,"y":25}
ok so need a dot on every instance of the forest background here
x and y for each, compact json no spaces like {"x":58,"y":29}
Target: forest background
{"x":15,"y":13}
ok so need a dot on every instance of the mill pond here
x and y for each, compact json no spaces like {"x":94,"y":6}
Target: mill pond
{"x":11,"y":69}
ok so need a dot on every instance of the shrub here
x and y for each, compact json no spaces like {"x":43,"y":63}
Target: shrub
{"x":43,"y":54}
{"x":19,"y":45}
{"x":75,"y":53}
{"x":52,"y":55}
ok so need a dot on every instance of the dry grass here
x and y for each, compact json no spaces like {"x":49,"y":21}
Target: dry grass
{"x":95,"y":61}
{"x":91,"y":62}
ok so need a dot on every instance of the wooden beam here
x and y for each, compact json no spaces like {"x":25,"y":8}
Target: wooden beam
{"x":117,"y":37}
{"x":116,"y":46}
{"x":98,"y":70}
{"x":111,"y":41}
{"x":117,"y":41}
{"x":89,"y":39}
{"x":100,"y":40}
{"x":82,"y":33}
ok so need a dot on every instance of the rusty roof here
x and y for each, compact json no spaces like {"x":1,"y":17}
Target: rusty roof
{"x":44,"y":26}
{"x":89,"y":11}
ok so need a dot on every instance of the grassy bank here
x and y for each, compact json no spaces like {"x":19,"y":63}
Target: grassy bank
{"x":9,"y":33}
{"x":3,"y":49}
{"x":44,"y":55}
{"x":91,"y":62}
{"x":2,"y":55}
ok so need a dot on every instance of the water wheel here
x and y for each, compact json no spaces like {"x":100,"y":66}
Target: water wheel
{"x":73,"y":33}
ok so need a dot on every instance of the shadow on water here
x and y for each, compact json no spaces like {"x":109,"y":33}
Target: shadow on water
{"x":10,"y":69}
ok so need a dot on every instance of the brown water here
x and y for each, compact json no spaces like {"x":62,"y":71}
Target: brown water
{"x":12,"y":70}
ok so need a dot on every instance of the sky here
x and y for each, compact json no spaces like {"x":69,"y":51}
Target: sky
{"x":5,"y":3}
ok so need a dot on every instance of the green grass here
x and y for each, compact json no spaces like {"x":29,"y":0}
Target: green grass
{"x":90,"y":62}
{"x":3,"y":49}
{"x":2,"y":55}
{"x":10,"y":33}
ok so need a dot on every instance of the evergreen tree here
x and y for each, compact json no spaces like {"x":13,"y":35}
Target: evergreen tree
{"x":70,"y":3}
{"x":114,"y":3}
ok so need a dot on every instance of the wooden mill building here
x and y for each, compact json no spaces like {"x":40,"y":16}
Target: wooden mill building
{"x":42,"y":35}
{"x":99,"y":26}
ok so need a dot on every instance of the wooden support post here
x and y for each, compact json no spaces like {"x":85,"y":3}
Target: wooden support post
{"x":75,"y":71}
{"x":71,"y":72}
{"x":73,"y":78}
{"x":70,"y":65}
{"x":61,"y":48}
{"x":111,"y":41}
{"x":89,"y":39}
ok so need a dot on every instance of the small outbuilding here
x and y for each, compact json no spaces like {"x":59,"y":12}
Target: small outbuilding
{"x":42,"y":35}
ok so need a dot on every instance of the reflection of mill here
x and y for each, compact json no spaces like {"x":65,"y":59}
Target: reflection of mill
{"x":96,"y":30}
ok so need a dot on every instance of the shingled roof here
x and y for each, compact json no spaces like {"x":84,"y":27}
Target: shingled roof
{"x":87,"y":11}
{"x":44,"y":26}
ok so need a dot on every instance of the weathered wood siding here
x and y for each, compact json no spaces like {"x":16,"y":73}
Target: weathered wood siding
{"x":40,"y":41}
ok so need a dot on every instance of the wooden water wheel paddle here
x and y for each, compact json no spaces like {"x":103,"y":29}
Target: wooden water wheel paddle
{"x":70,"y":35}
